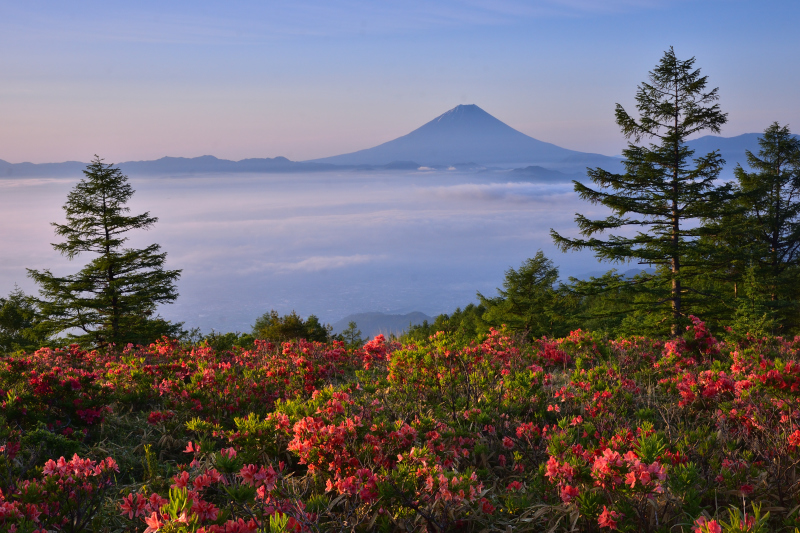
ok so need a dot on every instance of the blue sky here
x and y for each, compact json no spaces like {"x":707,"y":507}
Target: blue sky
{"x":306,"y":79}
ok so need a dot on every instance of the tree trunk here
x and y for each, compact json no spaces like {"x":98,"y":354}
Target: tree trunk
{"x":676,"y":297}
{"x":676,"y":265}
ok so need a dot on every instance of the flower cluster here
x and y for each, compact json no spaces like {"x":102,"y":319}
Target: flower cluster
{"x":444,"y":434}
{"x":66,"y":491}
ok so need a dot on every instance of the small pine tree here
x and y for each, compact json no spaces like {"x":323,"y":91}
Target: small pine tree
{"x":351,"y":335}
{"x":529,"y":302}
{"x":19,"y":323}
{"x":112,"y":300}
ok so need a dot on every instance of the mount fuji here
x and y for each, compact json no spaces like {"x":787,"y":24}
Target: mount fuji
{"x":468,"y":134}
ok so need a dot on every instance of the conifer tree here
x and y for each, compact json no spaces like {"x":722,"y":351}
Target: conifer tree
{"x":752,"y":314}
{"x":19,"y":321}
{"x":465,"y":323}
{"x":110,"y":301}
{"x":761,"y":229}
{"x":274,"y":327}
{"x":771,"y":198}
{"x":351,"y":336}
{"x":530,"y":302}
{"x":664,"y":190}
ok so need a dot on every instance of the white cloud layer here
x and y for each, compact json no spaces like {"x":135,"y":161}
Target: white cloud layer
{"x":330,"y":244}
{"x":312,"y":264}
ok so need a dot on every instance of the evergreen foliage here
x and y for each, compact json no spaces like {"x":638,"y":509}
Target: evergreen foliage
{"x":351,"y":336}
{"x":614,"y":303}
{"x":464,"y":323}
{"x":752,"y":315}
{"x":530,"y":302}
{"x":274,"y":327}
{"x":226,"y":341}
{"x":19,"y":323}
{"x":763,"y":228}
{"x":771,"y":197}
{"x":112,"y":300}
{"x":664,"y":190}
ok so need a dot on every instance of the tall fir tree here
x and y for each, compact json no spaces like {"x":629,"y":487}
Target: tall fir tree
{"x":664,"y":190}
{"x":762,"y":228}
{"x":771,"y":198}
{"x":112,"y":300}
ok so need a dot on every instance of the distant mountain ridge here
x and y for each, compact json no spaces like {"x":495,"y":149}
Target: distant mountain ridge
{"x":463,"y":138}
{"x":24,"y":170}
{"x":168,"y":165}
{"x":732,"y":149}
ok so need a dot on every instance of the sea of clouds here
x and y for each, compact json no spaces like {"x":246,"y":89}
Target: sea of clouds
{"x":329,"y":243}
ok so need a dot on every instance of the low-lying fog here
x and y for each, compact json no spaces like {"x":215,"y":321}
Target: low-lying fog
{"x":330,"y":244}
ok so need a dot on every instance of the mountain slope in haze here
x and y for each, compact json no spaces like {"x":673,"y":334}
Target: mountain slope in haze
{"x":732,"y":149}
{"x":167,"y":165}
{"x":24,"y":170}
{"x":544,"y":175}
{"x":468,"y":133}
{"x":209,"y":163}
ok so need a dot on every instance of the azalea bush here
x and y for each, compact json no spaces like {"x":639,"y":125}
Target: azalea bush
{"x":65,"y":496}
{"x":580,"y":433}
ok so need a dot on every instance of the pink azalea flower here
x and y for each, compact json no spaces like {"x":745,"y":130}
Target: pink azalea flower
{"x":153,"y":523}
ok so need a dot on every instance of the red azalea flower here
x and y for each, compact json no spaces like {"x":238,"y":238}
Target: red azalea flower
{"x":606,"y":518}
